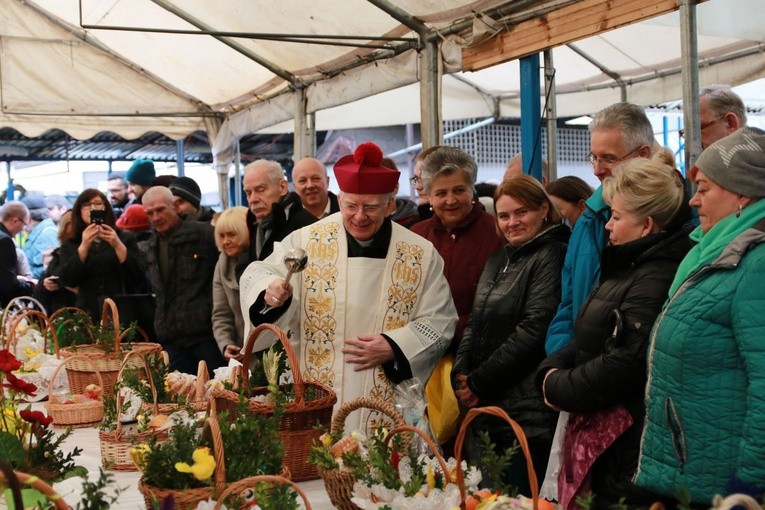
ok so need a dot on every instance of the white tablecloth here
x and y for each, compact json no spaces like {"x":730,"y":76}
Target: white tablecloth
{"x":131,"y":498}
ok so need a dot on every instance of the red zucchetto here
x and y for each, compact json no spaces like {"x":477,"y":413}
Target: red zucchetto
{"x":361,"y":172}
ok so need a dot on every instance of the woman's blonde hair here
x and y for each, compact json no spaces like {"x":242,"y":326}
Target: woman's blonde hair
{"x":649,"y":187}
{"x":233,"y":220}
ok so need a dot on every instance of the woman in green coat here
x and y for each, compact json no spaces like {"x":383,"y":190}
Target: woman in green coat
{"x":705,"y":426}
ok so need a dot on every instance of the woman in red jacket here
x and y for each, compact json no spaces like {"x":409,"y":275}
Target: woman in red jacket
{"x":462,"y":231}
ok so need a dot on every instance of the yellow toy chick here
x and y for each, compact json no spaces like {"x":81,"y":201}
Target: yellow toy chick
{"x":138,"y":453}
{"x":203,"y":467}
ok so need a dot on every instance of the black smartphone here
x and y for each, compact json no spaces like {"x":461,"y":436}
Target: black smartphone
{"x":97,"y":216}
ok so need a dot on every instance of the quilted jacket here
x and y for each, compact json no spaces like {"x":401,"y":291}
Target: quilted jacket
{"x":504,"y":341}
{"x":705,"y":424}
{"x":600,"y":370}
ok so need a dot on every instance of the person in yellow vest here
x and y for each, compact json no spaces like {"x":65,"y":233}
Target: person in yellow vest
{"x":372,"y":307}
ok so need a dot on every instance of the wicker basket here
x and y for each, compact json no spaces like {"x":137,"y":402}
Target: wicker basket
{"x":339,"y":482}
{"x":44,"y":325}
{"x":197,"y":404}
{"x":73,"y":312}
{"x":115,"y":444}
{"x":499,"y":413}
{"x":187,"y":499}
{"x":16,"y":306}
{"x":81,"y":374}
{"x":77,"y":414}
{"x":298,"y":428}
{"x":241,"y":485}
{"x":33,"y":482}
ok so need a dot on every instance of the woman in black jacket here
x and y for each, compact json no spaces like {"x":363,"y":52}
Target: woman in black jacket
{"x":504,"y":341}
{"x":600,"y":376}
{"x":99,"y":259}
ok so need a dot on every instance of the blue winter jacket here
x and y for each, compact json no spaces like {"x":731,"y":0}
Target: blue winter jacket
{"x":42,"y":238}
{"x":581,"y":269}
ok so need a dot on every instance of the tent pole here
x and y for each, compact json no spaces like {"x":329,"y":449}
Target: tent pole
{"x":531,"y":117}
{"x":430,"y":95}
{"x":310,"y":144}
{"x":300,"y":149}
{"x":551,"y":114}
{"x":180,"y":157}
{"x":690,"y":69}
{"x":9,"y":191}
{"x":238,"y":175}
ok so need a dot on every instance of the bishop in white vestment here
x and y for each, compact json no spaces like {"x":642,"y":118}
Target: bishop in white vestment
{"x":372,"y":307}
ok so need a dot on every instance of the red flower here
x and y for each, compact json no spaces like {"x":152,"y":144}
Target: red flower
{"x":395,"y":458}
{"x":20,"y":385}
{"x":8,"y":362}
{"x":36,"y":417}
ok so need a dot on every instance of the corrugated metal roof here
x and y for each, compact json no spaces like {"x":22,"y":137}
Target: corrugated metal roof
{"x":56,"y":145}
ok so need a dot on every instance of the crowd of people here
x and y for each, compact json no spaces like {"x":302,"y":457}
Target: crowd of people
{"x":620,"y":327}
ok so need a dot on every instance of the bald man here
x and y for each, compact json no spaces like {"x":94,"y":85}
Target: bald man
{"x":515,"y":168}
{"x":311,"y":182}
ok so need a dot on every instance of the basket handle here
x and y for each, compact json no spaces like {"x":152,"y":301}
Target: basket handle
{"x":11,"y":341}
{"x":38,"y":484}
{"x":338,"y":420}
{"x":155,"y":409}
{"x":7,"y":311}
{"x":144,"y":336}
{"x":63,"y":363}
{"x":297,"y":377}
{"x":240,"y":485}
{"x":499,"y":413}
{"x":428,"y":441}
{"x":202,"y":377}
{"x":110,"y":308}
{"x":72,"y":309}
{"x":219,"y":475}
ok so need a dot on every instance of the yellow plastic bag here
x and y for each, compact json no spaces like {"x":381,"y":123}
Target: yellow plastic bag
{"x":443,"y":411}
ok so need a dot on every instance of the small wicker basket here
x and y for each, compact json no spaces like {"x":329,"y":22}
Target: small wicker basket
{"x":31,"y":316}
{"x":187,"y":499}
{"x":16,"y":306}
{"x":520,"y":435}
{"x":74,"y":414}
{"x":115,"y":444}
{"x":298,"y":428}
{"x":241,"y":485}
{"x":81,"y":374}
{"x":339,"y":482}
{"x":197,"y":404}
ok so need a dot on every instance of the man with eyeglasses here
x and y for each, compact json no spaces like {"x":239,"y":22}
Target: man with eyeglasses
{"x":14,"y":217}
{"x":372,"y":307}
{"x":721,"y":112}
{"x":618,"y":133}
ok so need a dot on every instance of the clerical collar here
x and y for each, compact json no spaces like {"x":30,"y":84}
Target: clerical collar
{"x":377,"y":247}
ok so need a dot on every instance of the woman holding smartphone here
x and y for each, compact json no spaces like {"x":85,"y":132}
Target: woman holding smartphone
{"x":99,"y":259}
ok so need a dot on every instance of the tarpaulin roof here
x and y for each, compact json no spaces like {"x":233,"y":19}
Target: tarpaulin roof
{"x":176,"y":66}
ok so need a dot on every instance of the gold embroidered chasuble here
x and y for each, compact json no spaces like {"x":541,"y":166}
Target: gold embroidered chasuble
{"x":336,"y":297}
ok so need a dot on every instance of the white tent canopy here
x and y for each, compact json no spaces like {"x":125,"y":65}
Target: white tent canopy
{"x":132,"y":66}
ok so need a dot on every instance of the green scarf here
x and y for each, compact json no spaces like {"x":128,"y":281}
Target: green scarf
{"x":711,"y":244}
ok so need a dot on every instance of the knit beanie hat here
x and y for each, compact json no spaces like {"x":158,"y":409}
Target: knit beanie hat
{"x":133,"y":218}
{"x":187,"y":189}
{"x":736,"y":162}
{"x":141,"y":172}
